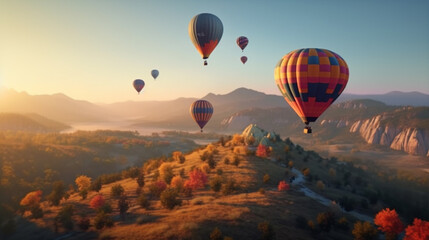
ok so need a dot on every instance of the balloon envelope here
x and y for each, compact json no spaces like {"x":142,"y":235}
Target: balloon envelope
{"x":205,"y":31}
{"x":201,"y":111}
{"x":243,"y":59}
{"x":138,"y":85}
{"x":242,"y":42}
{"x":154,"y":73}
{"x":310,"y":80}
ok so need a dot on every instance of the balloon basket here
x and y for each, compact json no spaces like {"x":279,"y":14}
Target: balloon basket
{"x":205,"y":63}
{"x":307,"y":130}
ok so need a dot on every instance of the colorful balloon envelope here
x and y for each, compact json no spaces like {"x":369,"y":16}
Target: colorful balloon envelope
{"x":243,"y":59}
{"x":310,"y":80}
{"x":201,"y":111}
{"x":205,"y":31}
{"x":242,"y":42}
{"x":154,"y":73}
{"x":138,"y":85}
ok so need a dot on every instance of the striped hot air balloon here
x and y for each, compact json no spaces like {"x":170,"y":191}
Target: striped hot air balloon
{"x":205,"y":31}
{"x":242,"y":42}
{"x":201,"y":111}
{"x":310,"y":80}
{"x":138,"y":85}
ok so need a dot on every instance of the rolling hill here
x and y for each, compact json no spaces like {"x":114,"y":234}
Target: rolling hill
{"x":29,"y":123}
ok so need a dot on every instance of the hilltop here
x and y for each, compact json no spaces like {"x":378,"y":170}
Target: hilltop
{"x":248,"y":175}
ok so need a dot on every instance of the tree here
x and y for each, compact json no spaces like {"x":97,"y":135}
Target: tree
{"x":388,"y":222}
{"x":140,"y":179}
{"x":216,"y":183}
{"x":237,"y":139}
{"x":364,"y":231}
{"x":419,"y":230}
{"x":197,"y":179}
{"x":212,"y":163}
{"x":320,"y":185}
{"x":177,"y":183}
{"x":31,"y":199}
{"x":326,"y":220}
{"x":83,"y":182}
{"x":102,"y":219}
{"x":97,"y":201}
{"x":84,"y":223}
{"x":169,"y":198}
{"x":266,"y":178}
{"x":229,"y":187}
{"x":262,"y":151}
{"x":64,"y":216}
{"x":178,"y":156}
{"x":123,"y":205}
{"x":57,"y":193}
{"x":143,"y":201}
{"x":166,"y":172}
{"x":267,"y":231}
{"x":157,"y":188}
{"x":116,"y":190}
{"x":216,"y":234}
{"x":283,"y":186}
{"x":96,"y":185}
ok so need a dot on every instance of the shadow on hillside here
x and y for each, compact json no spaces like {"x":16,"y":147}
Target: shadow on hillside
{"x":132,"y":218}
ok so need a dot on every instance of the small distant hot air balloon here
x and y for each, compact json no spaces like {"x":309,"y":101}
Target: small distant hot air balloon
{"x":243,"y":59}
{"x":138,"y":85}
{"x":201,"y":111}
{"x":310,"y":80}
{"x":205,"y":31}
{"x":242,"y":42}
{"x":154,"y":73}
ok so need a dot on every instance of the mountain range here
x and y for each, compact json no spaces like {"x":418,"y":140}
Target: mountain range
{"x":236,"y":110}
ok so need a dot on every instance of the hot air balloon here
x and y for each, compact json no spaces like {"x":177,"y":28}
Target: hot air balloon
{"x":138,"y":85}
{"x":205,"y":31}
{"x":243,"y":59}
{"x":242,"y":42}
{"x":154,"y":73}
{"x":201,"y":111}
{"x":310,"y":80}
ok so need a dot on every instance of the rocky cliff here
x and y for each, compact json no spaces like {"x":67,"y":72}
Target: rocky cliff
{"x":409,"y":139}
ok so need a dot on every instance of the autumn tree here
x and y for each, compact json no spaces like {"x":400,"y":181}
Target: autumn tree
{"x":283,"y":186}
{"x":156,"y":188}
{"x":178,"y":156}
{"x":83,"y":182}
{"x":64,"y":216}
{"x":263,"y":151}
{"x":166,"y":172}
{"x":388,"y":222}
{"x":216,"y":183}
{"x":266,"y":178}
{"x":364,"y":231}
{"x":169,"y":198}
{"x":419,"y":230}
{"x":326,"y":220}
{"x":31,"y":202}
{"x":216,"y":234}
{"x":197,"y":179}
{"x":96,"y":185}
{"x":177,"y":183}
{"x":97,"y":201}
{"x":237,"y":139}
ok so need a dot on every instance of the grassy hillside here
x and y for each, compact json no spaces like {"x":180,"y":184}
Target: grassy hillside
{"x":29,"y":123}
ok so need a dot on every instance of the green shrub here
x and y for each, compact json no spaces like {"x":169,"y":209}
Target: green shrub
{"x":216,"y":183}
{"x":143,"y":201}
{"x":117,"y":190}
{"x":169,"y":198}
{"x":229,"y":187}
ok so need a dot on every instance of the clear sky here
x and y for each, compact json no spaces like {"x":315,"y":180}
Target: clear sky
{"x":93,"y":50}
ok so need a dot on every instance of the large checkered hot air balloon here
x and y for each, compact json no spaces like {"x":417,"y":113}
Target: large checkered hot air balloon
{"x":310,"y":80}
{"x":205,"y":31}
{"x":201,"y":111}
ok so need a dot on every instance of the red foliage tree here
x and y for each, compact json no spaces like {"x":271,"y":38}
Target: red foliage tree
{"x":388,"y":222}
{"x":31,"y":199}
{"x":97,"y":201}
{"x":418,"y":231}
{"x":157,"y":188}
{"x":262,"y":151}
{"x":197,"y":179}
{"x":283,"y":186}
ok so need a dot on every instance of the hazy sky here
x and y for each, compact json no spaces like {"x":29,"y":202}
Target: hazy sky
{"x":93,"y":50}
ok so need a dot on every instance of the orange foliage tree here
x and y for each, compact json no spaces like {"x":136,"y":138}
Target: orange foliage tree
{"x":388,"y":222}
{"x":31,"y":199}
{"x":283,"y":186}
{"x":197,"y":179}
{"x":177,"y":182}
{"x":262,"y":151}
{"x":83,"y":182}
{"x":418,"y":231}
{"x":97,"y":201}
